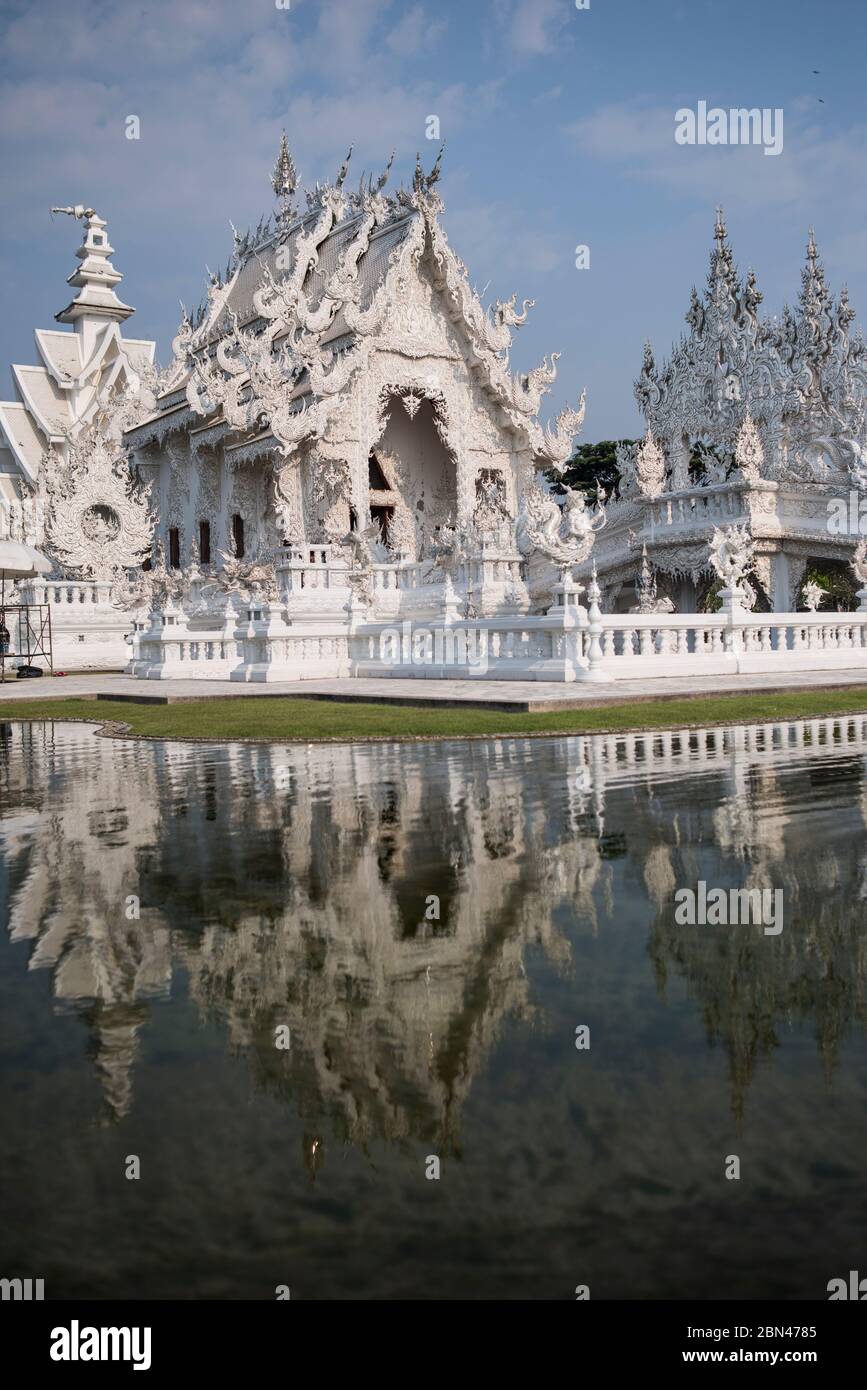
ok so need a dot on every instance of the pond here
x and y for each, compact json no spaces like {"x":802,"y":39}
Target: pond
{"x":418,"y":1021}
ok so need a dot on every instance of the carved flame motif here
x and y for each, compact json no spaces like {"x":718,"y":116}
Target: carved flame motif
{"x":749,"y":454}
{"x":650,"y":467}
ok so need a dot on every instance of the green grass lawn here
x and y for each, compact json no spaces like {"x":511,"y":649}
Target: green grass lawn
{"x":277,"y":718}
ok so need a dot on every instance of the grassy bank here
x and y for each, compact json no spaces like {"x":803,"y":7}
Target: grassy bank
{"x":276,"y":718}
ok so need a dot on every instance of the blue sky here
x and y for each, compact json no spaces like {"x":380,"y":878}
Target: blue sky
{"x":559,"y":129}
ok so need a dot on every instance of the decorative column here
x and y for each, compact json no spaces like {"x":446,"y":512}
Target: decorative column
{"x":594,"y":673}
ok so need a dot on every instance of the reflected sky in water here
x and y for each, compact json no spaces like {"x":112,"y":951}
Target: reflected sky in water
{"x":289,"y":886}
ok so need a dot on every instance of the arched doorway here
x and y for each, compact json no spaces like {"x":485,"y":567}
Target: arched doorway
{"x":412,"y":477}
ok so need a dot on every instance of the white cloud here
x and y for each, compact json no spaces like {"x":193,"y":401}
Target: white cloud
{"x":499,"y":234}
{"x":536,"y":25}
{"x":415,"y":33}
{"x":813,"y":168}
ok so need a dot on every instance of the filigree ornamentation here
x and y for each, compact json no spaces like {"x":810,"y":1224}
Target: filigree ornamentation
{"x":411,"y":402}
{"x":99,"y":518}
{"x":749,"y":453}
{"x":800,"y":375}
{"x":649,"y":467}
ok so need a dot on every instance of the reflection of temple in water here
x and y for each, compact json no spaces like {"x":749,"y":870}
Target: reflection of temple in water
{"x":291,"y":886}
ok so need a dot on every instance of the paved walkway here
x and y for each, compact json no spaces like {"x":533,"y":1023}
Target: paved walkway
{"x":515,"y":695}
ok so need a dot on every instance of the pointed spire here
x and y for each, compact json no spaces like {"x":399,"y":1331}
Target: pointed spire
{"x":815,"y":300}
{"x":722,"y":280}
{"x":284,"y":179}
{"x":95,"y":279}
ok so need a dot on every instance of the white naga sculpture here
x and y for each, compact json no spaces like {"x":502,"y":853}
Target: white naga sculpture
{"x":566,"y":535}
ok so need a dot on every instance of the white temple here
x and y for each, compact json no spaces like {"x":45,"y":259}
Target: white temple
{"x":339,"y":474}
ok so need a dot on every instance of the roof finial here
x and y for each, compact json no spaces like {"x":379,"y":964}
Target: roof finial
{"x":812,"y":249}
{"x":719,"y":230}
{"x":284,"y":179}
{"x":95,"y":278}
{"x":344,"y":170}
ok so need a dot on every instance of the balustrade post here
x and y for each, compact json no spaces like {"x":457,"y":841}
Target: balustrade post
{"x":594,"y":672}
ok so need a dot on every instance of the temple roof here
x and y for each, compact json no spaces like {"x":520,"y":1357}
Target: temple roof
{"x":304,"y":301}
{"x":61,"y":352}
{"x":279,"y":252}
{"x":81,"y":365}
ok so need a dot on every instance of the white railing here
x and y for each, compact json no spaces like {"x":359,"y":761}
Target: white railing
{"x":699,"y":507}
{"x":648,"y":644}
{"x":568,"y":643}
{"x":59,"y":592}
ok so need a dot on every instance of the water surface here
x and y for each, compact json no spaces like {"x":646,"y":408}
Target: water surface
{"x":294,"y":887}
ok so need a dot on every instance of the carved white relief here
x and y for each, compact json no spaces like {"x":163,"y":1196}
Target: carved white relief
{"x":99,"y":518}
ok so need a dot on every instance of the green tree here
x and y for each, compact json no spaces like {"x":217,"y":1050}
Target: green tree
{"x":591,"y":467}
{"x":835,"y":577}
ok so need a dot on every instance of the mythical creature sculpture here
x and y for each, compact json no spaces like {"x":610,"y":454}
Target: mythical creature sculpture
{"x":731,"y":554}
{"x":150,"y":590}
{"x":812,"y":594}
{"x":566,"y":535}
{"x":254,"y":579}
{"x":859,"y":563}
{"x":366,"y":548}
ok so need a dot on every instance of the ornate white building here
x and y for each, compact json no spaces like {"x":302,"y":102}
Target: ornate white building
{"x":339,"y":455}
{"x":751,"y":421}
{"x":344,"y":374}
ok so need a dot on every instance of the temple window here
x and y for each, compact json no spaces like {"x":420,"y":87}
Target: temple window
{"x":205,"y":542}
{"x":383,"y":517}
{"x":376,"y":479}
{"x":238,"y":535}
{"x":487,"y":476}
{"x":174,"y":548}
